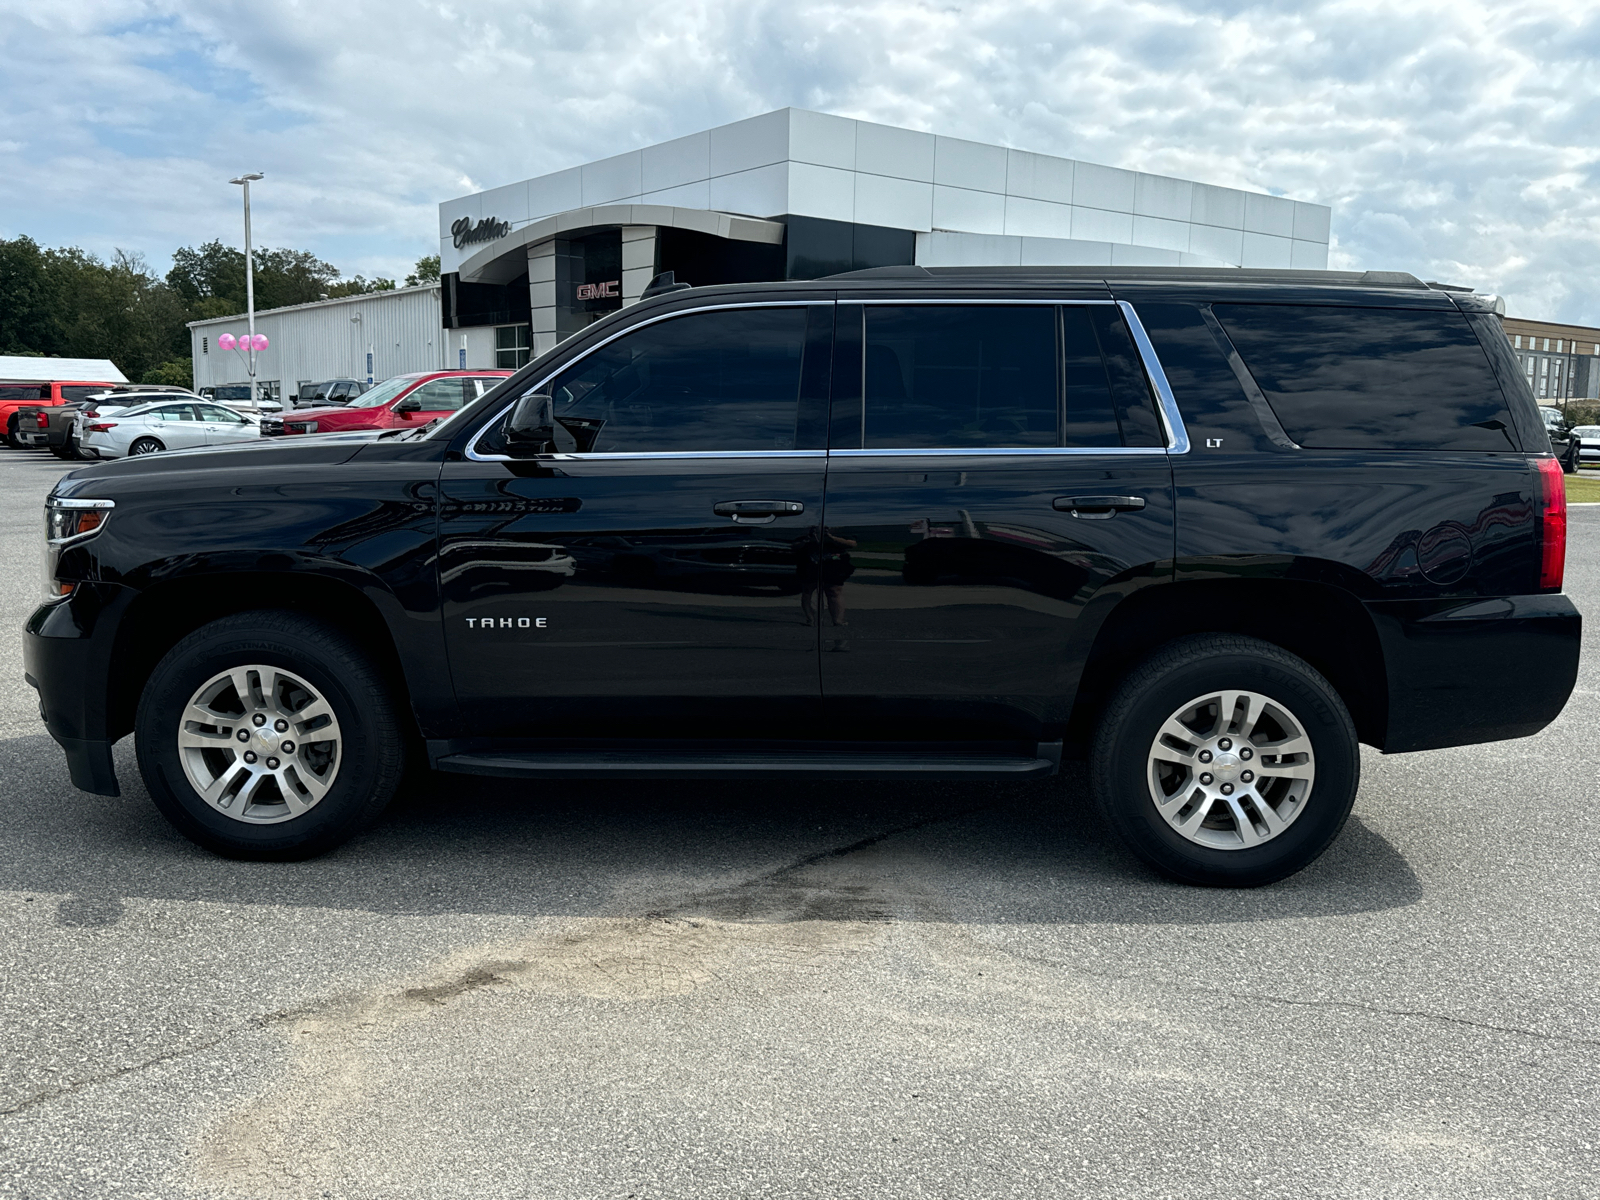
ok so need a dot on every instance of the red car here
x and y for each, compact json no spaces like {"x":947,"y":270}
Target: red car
{"x":40,"y":394}
{"x":403,"y":402}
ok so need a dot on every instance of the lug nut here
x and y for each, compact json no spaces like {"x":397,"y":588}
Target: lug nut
{"x":249,"y":756}
{"x":287,"y":747}
{"x":1247,"y":776}
{"x":1206,"y":777}
{"x":1205,"y":756}
{"x":1247,"y":754}
{"x":244,"y":735}
{"x":272,"y":764}
{"x":1227,"y":789}
{"x":1225,"y":744}
{"x":281,"y":725}
{"x":258,"y":719}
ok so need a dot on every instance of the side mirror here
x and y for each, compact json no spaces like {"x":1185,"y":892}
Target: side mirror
{"x":409,"y":405}
{"x":530,"y":429}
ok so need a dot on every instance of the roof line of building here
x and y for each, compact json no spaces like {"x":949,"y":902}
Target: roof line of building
{"x":328,"y":303}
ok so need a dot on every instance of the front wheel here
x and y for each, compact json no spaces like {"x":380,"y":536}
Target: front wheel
{"x":1226,"y":761}
{"x":269,"y":736}
{"x":146,"y":445}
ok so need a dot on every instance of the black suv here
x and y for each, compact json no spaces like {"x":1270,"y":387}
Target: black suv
{"x":1210,"y":529}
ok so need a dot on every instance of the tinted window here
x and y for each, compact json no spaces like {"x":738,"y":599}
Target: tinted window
{"x":1091,"y":414}
{"x":443,"y":395}
{"x":960,"y":375}
{"x":706,"y":381}
{"x":214,"y":412}
{"x":1372,"y":378}
{"x":81,"y":393}
{"x":31,"y":392}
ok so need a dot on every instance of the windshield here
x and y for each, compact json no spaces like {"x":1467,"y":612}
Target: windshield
{"x":384,"y":392}
{"x":445,"y":427}
{"x":1588,"y":431}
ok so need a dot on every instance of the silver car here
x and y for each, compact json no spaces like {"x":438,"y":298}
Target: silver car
{"x":152,"y":428}
{"x":1588,"y":443}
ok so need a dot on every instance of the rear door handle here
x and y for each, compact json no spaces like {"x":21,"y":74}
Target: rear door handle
{"x":1097,"y":508}
{"x":757,"y":512}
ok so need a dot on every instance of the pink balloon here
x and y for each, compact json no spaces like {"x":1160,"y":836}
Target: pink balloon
{"x":226,"y":342}
{"x":261,"y":341}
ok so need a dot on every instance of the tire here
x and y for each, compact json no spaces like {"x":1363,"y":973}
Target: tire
{"x":145,"y":445}
{"x":1569,"y":464}
{"x":12,"y":439}
{"x":292,"y":803}
{"x":1292,"y":817}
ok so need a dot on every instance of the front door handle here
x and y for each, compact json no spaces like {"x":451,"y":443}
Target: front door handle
{"x":1097,"y":508}
{"x":757,"y":512}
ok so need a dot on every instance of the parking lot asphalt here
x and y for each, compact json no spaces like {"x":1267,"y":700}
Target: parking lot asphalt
{"x":786,"y":990}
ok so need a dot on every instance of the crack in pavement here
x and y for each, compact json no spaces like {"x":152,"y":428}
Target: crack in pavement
{"x":1263,"y":998}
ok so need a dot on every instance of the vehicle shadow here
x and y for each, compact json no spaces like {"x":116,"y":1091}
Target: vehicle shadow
{"x":996,"y":853}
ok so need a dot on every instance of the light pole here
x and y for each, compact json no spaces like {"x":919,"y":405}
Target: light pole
{"x":249,"y":280}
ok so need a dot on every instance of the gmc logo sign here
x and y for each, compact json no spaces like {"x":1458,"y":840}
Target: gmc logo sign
{"x":599,"y":291}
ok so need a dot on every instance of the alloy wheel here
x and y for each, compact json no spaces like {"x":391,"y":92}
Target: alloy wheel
{"x":1231,"y":769}
{"x":259,"y":744}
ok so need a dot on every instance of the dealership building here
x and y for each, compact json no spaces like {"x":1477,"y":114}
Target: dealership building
{"x":789,"y":194}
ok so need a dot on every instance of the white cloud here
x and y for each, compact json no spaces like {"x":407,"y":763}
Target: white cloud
{"x":1453,"y":140}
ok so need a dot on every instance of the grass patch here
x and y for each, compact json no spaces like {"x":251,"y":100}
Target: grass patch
{"x":1582,"y":488}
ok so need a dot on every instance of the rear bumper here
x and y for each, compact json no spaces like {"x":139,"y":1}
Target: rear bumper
{"x":66,"y":657}
{"x":1467,"y":671}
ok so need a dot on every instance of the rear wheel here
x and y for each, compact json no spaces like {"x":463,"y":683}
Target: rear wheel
{"x":1226,"y":761}
{"x":12,"y":439}
{"x":269,"y":736}
{"x":146,"y":445}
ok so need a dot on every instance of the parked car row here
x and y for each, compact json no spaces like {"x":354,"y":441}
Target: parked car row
{"x":78,"y":421}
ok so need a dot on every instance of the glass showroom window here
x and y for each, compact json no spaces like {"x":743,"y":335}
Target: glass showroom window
{"x":511,"y":346}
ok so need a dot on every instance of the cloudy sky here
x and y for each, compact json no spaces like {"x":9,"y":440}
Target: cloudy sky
{"x":1454,"y":140}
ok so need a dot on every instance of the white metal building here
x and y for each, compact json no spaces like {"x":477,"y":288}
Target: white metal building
{"x":789,"y":194}
{"x":328,"y":339}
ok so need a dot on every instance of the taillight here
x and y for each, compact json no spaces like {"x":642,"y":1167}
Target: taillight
{"x":42,"y":421}
{"x":102,"y":427}
{"x":1552,"y":524}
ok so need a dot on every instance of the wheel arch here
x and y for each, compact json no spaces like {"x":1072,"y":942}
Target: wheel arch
{"x":166,"y":612}
{"x":1320,"y":623}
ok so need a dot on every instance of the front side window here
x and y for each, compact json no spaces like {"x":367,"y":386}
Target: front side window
{"x":175,"y":412}
{"x":444,"y":395}
{"x":214,"y":412}
{"x":725,"y":380}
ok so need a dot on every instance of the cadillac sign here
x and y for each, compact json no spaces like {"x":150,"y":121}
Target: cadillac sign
{"x":464,"y":233}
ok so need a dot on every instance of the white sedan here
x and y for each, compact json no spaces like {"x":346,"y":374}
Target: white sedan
{"x":152,"y":428}
{"x":1588,"y":443}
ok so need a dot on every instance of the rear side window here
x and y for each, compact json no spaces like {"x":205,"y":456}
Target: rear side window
{"x":959,"y":375}
{"x":710,"y":381}
{"x":31,"y":392}
{"x":1372,"y":378}
{"x":989,"y":376}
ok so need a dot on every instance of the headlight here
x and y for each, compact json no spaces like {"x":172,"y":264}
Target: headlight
{"x":66,"y":523}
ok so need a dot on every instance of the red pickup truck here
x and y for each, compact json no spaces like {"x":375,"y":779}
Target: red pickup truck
{"x":39,"y":394}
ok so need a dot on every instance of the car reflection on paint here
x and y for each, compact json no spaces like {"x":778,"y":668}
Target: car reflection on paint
{"x":540,"y":565}
{"x":709,"y":565}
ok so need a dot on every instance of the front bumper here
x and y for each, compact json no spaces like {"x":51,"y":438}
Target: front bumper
{"x":66,"y":658}
{"x":1476,"y":670}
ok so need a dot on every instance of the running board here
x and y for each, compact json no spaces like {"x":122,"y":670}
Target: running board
{"x":700,"y":764}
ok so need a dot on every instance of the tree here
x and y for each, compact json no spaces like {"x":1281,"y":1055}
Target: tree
{"x":216,"y":272}
{"x":357,"y":285}
{"x":426,"y":271}
{"x":176,"y":372}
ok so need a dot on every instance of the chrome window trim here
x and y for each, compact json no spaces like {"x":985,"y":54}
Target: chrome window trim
{"x":1167,"y":404}
{"x":1177,"y":434}
{"x":472,"y":446}
{"x":993,"y":451}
